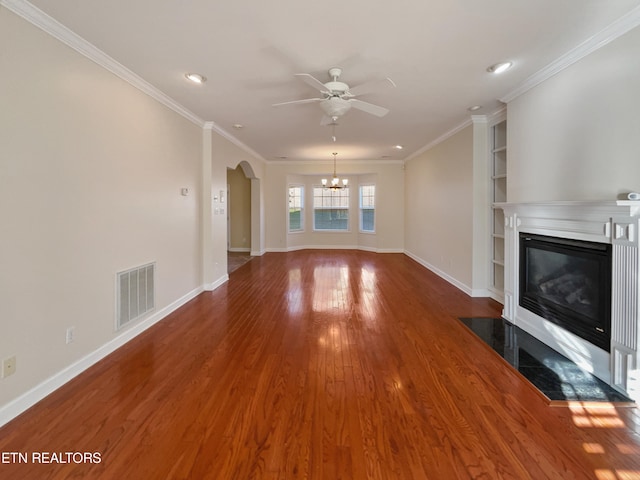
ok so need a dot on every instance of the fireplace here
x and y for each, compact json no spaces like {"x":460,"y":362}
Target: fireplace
{"x":568,"y":282}
{"x":586,"y":247}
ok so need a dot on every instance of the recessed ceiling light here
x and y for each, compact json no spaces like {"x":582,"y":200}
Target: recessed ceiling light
{"x":474,"y":108}
{"x":398,"y":147}
{"x":500,"y":67}
{"x":238,"y":126}
{"x":196,"y":77}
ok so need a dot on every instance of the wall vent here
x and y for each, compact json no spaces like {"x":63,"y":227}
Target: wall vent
{"x":135,"y":291}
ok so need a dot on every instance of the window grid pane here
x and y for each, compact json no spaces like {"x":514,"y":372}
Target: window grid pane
{"x":295,"y":209}
{"x":367,"y":208}
{"x":330,"y":209}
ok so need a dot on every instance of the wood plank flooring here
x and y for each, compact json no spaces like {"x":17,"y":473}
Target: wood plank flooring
{"x":319,"y":365}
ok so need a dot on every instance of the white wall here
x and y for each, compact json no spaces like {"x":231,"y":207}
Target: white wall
{"x":389,"y":181}
{"x":576,"y":136}
{"x":90,"y":177}
{"x":221,"y":154}
{"x":439,"y":188}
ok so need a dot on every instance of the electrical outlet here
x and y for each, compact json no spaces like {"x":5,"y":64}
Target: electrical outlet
{"x":8,"y":366}
{"x":71,"y":333}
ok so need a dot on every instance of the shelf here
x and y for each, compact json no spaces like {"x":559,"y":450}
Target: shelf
{"x":498,"y":180}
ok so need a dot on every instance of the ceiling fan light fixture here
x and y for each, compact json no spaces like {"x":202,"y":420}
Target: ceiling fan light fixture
{"x":500,"y":67}
{"x":196,"y":78}
{"x":335,"y":106}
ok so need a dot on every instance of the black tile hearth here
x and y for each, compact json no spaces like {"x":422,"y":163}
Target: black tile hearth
{"x":557,"y":377}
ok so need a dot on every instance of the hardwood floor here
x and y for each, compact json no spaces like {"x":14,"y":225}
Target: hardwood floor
{"x":318,"y":365}
{"x":237,"y":259}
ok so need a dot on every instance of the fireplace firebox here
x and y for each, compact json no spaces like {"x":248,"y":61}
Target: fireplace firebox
{"x":568,"y":282}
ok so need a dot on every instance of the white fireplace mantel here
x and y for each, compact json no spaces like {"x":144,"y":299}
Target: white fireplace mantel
{"x":613,"y":222}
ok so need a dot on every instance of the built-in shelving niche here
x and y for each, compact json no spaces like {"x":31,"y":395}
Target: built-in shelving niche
{"x":498,"y":194}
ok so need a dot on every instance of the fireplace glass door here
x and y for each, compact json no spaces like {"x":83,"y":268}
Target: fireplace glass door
{"x":568,"y":282}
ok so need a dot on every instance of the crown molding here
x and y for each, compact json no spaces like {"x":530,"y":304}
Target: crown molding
{"x":209,"y":125}
{"x":497,"y":116}
{"x":37,"y":17}
{"x":618,"y":28}
{"x":488,"y":118}
{"x":440,"y":139}
{"x":330,"y":162}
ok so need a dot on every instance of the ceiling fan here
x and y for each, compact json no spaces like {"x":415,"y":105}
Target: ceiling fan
{"x":338,"y":98}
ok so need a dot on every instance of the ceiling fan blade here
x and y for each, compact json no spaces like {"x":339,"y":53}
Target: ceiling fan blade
{"x":308,"y":100}
{"x":368,"y":107}
{"x":372,"y":86}
{"x":312,"y":81}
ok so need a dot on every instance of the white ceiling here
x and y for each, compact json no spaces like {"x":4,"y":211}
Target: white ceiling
{"x":436,"y":52}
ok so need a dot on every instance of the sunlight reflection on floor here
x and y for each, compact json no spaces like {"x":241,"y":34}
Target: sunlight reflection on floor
{"x":604,"y":416}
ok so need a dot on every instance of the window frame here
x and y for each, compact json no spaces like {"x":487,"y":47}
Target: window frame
{"x":362,"y":209}
{"x":289,"y":207}
{"x":347,"y":229}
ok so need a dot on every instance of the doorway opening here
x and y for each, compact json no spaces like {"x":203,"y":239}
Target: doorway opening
{"x":239,"y":218}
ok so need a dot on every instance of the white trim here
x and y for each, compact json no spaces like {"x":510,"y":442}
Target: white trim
{"x":330,"y":163}
{"x":324,"y":247}
{"x":488,"y":118}
{"x":618,"y":28}
{"x":303,"y":193}
{"x":17,"y":406}
{"x":57,"y":30}
{"x":497,"y":296}
{"x":498,"y":116}
{"x":209,"y":125}
{"x":440,"y":139}
{"x":212,"y":286}
{"x":335,"y":247}
{"x":389,"y":250}
{"x":479,"y":119}
{"x":461,"y":286}
{"x":238,"y":250}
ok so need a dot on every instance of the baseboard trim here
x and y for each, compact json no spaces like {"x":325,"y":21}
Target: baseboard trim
{"x":461,"y":286}
{"x":25,"y":401}
{"x":335,"y":247}
{"x":212,"y":286}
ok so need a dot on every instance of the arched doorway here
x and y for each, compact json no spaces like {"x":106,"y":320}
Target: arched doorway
{"x":243,"y":216}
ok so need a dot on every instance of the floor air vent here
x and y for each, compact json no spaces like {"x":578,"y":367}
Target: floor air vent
{"x":135,"y":289}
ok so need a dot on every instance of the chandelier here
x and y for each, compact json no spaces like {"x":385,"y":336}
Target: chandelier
{"x":336,"y":183}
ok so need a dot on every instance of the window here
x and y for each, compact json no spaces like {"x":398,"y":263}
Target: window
{"x":296,"y":205}
{"x":367,"y":208}
{"x":330,"y":209}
